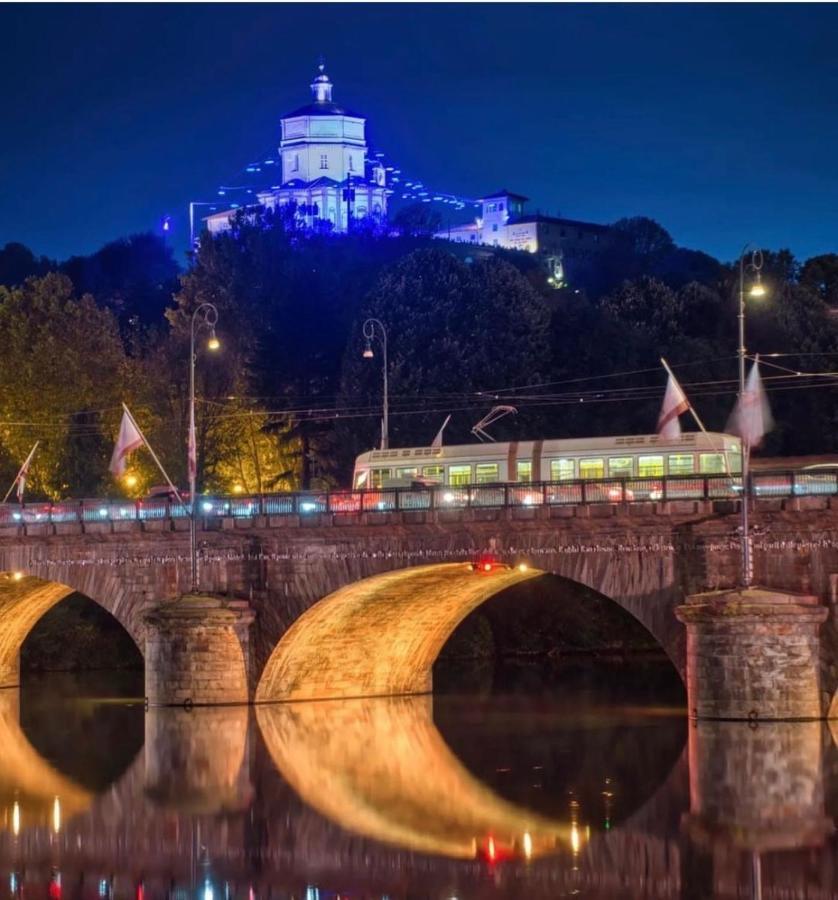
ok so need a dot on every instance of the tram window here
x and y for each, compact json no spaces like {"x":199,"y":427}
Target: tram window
{"x":592,"y":468}
{"x":410,"y":472}
{"x":377,"y":477}
{"x":681,"y":464}
{"x":361,"y":478}
{"x":524,"y":470}
{"x":734,"y":456}
{"x":458,"y":475}
{"x":562,"y":469}
{"x":650,"y":466}
{"x":435,"y":473}
{"x":712,"y":464}
{"x":486,"y":472}
{"x":620,"y":466}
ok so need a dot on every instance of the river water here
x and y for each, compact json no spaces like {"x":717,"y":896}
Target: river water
{"x":588,"y":783}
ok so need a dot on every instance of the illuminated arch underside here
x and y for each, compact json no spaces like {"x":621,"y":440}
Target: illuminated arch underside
{"x":379,"y":636}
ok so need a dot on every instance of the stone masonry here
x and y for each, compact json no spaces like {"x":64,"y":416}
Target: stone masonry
{"x":646,"y":557}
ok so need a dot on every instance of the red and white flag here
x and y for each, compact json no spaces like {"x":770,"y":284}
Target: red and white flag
{"x":191,"y":449}
{"x":24,"y":471}
{"x":128,"y":441}
{"x":674,"y":404}
{"x":751,"y":417}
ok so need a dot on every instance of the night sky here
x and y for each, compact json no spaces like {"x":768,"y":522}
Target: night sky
{"x":719,"y":121}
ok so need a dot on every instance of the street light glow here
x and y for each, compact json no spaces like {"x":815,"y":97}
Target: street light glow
{"x":213,"y":343}
{"x":757,"y":290}
{"x":368,"y":354}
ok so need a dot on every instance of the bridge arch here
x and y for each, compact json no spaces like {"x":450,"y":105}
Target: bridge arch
{"x":380,"y":636}
{"x":25,"y":598}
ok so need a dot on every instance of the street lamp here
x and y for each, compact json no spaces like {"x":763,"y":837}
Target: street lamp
{"x":757,"y":289}
{"x":374,"y":328}
{"x":205,"y":316}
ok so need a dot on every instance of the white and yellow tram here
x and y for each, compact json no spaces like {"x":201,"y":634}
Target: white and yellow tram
{"x":578,"y":459}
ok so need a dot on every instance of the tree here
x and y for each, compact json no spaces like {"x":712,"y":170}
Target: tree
{"x":63,"y":371}
{"x":454,"y":330}
{"x":17,"y":263}
{"x":417,"y":220}
{"x":820,"y":275}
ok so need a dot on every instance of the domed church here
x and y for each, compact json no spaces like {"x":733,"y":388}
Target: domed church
{"x":326,"y":171}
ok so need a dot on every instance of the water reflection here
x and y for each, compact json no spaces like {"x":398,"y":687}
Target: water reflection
{"x":380,"y":768}
{"x":396,"y":798}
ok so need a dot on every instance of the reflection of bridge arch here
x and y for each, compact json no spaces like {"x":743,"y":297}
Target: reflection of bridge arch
{"x":380,"y":636}
{"x":24,"y":599}
{"x":32,"y":792}
{"x":381,"y":768}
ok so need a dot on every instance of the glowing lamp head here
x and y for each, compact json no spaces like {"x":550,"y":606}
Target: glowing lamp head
{"x":238,"y":489}
{"x":213,"y":343}
{"x":130,"y":481}
{"x":487,"y":567}
{"x":368,"y":354}
{"x":522,"y":567}
{"x":757,"y":288}
{"x":17,"y":576}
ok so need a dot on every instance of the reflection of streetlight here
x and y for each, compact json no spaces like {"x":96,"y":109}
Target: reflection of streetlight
{"x":205,"y":316}
{"x":16,"y":819}
{"x":369,"y":331}
{"x":56,"y":815}
{"x":757,"y":289}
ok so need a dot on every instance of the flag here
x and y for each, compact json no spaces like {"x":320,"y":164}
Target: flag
{"x":751,"y":417}
{"x":128,"y":441}
{"x":437,"y":441}
{"x":191,"y":448}
{"x":674,"y":403}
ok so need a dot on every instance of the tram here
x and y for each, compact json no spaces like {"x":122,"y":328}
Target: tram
{"x":576,"y":459}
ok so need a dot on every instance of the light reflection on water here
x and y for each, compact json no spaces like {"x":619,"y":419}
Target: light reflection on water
{"x":475,"y":797}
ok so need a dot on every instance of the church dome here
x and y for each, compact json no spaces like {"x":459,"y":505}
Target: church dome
{"x":321,"y":91}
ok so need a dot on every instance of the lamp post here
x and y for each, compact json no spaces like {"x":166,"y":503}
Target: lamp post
{"x":757,"y":289}
{"x":205,"y":316}
{"x":193,"y":205}
{"x":374,"y":328}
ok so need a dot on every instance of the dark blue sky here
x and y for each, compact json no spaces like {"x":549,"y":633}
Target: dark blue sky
{"x":718,"y":120}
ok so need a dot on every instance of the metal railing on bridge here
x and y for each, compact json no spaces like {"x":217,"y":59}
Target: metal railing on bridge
{"x":777,"y":484}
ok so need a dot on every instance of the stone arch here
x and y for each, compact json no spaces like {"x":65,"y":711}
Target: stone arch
{"x":25,"y":598}
{"x":380,"y":636}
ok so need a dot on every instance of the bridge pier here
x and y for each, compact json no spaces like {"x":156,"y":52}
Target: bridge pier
{"x":753,"y":654}
{"x":197,"y":652}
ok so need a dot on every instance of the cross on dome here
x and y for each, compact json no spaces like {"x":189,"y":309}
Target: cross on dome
{"x":321,"y":87}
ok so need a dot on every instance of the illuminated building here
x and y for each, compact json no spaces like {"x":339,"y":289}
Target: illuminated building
{"x":504,"y":223}
{"x":325,"y":167}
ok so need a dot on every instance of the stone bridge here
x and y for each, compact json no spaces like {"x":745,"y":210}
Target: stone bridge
{"x":398,"y":583}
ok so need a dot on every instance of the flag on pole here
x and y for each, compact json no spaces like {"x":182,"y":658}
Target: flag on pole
{"x":24,"y":471}
{"x":751,"y":417}
{"x":127,"y":442}
{"x":192,"y":448}
{"x":674,"y":403}
{"x":437,"y":441}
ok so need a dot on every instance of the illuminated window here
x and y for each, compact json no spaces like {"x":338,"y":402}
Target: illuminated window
{"x":486,"y":472}
{"x":434,"y":473}
{"x":410,"y":472}
{"x":361,"y":478}
{"x":620,"y":466}
{"x":734,"y":455}
{"x":458,"y":475}
{"x":650,"y":466}
{"x":592,"y":468}
{"x":681,"y":464}
{"x":562,"y":469}
{"x":324,"y":161}
{"x":712,"y":464}
{"x":524,"y":470}
{"x":377,"y":477}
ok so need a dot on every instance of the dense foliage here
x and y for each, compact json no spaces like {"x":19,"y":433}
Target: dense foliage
{"x":290,"y":399}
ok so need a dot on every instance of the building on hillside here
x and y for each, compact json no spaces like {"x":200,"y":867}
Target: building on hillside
{"x":504,"y":223}
{"x":325,"y":169}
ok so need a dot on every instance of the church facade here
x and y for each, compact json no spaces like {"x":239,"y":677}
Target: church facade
{"x":326,"y":171}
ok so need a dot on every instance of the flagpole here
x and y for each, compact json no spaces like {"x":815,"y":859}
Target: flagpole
{"x":22,"y":469}
{"x":153,"y":454}
{"x":698,"y":421}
